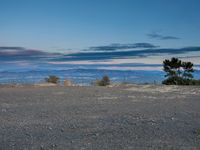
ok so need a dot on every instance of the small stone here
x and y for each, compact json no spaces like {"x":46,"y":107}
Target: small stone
{"x":62,"y":130}
{"x":54,"y":145}
{"x":72,"y":141}
{"x":41,"y":147}
{"x":4,"y":110}
{"x":97,"y":134}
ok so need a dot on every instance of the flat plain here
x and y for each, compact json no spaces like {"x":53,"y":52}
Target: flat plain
{"x":100,"y":118}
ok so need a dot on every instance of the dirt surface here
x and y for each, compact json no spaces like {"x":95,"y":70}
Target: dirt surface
{"x":99,"y":118}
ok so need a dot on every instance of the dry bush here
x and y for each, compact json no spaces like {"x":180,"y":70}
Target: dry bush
{"x":52,"y":79}
{"x":104,"y":81}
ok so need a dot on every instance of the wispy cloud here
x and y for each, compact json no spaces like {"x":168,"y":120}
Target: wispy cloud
{"x":118,"y":46}
{"x":12,"y":54}
{"x":21,"y":51}
{"x":91,"y":56}
{"x":11,"y":48}
{"x":162,"y":37}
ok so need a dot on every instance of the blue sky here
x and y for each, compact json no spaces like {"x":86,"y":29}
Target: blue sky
{"x":42,"y":37}
{"x":60,"y":25}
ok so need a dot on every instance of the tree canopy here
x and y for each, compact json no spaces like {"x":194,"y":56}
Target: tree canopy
{"x":178,"y":72}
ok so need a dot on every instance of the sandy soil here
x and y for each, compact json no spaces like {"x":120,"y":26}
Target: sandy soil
{"x":99,"y":118}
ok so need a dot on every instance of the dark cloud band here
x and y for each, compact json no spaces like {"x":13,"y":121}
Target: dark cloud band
{"x":21,"y":51}
{"x":36,"y":55}
{"x":93,"y":56}
{"x":118,"y":46}
{"x":162,"y":37}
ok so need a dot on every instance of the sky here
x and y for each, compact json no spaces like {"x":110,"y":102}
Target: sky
{"x":64,"y":25}
{"x":99,"y":31}
{"x":86,"y":38}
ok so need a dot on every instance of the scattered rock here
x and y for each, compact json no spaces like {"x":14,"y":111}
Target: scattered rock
{"x":62,"y":130}
{"x":4,"y":110}
{"x":50,"y":128}
{"x":41,"y":147}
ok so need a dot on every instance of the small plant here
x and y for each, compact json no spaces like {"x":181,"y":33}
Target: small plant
{"x":104,"y":81}
{"x":52,"y":79}
{"x":197,"y":132}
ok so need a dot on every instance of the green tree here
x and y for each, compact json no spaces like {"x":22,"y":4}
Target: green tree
{"x":178,"y":72}
{"x":172,"y":67}
{"x":187,"y":70}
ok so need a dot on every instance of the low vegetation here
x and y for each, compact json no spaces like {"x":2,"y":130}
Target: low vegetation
{"x":52,"y":79}
{"x":103,"y":82}
{"x":197,"y":132}
{"x":179,"y":72}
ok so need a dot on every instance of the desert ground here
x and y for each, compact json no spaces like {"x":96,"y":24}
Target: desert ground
{"x":100,"y":118}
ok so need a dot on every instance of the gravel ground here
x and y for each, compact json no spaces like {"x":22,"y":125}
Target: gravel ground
{"x":99,"y":118}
